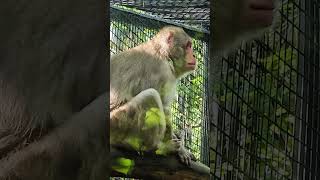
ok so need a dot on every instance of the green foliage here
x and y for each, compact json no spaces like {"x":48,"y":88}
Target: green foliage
{"x":262,"y":90}
{"x":162,"y":150}
{"x":153,"y":118}
{"x":135,"y":143}
{"x":123,"y":165}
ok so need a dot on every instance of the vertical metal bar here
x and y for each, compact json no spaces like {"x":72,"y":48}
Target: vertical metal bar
{"x":206,"y":123}
{"x":317,"y":89}
{"x":298,"y":170}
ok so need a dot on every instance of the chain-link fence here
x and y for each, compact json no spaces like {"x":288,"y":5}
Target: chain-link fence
{"x":267,"y":124}
{"x":264,"y":113}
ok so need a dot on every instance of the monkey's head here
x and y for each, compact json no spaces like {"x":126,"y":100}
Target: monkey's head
{"x":176,"y":46}
{"x":236,"y":20}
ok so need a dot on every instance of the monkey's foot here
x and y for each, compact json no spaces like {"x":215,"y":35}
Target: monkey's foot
{"x":185,"y":155}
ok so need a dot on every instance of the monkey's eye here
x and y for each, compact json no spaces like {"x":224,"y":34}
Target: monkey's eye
{"x":189,"y":44}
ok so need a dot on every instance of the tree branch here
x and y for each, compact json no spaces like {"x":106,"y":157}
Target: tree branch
{"x":156,"y":167}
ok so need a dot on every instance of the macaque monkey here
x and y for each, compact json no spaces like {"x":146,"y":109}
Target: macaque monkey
{"x":143,"y":86}
{"x":237,"y":20}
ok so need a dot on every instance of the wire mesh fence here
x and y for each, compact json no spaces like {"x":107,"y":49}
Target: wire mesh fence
{"x":191,"y":12}
{"x":264,"y":120}
{"x":130,"y":28}
{"x":267,"y":124}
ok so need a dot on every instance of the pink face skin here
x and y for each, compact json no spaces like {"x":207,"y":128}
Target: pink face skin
{"x":259,"y":12}
{"x":191,"y":63}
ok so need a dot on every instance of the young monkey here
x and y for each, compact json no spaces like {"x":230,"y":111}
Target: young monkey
{"x":142,"y":89}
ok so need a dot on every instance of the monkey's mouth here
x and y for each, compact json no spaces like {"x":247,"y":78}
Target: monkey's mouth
{"x":262,"y":6}
{"x":261,"y":13}
{"x":192,"y":65}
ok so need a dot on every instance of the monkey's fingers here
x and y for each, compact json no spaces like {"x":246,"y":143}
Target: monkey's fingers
{"x":193,"y":157}
{"x":176,"y":140}
{"x":184,"y":157}
{"x":188,"y":160}
{"x":181,"y":157}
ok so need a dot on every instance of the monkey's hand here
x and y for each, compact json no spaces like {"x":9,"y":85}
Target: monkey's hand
{"x":185,"y":155}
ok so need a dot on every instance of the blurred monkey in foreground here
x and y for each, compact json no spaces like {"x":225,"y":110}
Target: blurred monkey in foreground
{"x":237,"y":20}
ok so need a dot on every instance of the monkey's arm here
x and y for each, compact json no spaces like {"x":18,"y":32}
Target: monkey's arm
{"x":141,"y":120}
{"x":86,"y":144}
{"x":147,"y":98}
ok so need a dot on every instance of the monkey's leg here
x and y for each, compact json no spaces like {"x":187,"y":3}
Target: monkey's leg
{"x":140,"y":123}
{"x":170,"y":144}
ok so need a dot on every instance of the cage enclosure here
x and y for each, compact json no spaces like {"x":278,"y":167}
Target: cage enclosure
{"x":265,"y":113}
{"x":135,"y":22}
{"x":253,"y":114}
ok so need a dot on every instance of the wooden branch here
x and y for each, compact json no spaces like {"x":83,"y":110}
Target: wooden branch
{"x":151,"y":166}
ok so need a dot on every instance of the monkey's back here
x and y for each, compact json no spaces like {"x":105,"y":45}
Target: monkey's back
{"x":136,"y":70}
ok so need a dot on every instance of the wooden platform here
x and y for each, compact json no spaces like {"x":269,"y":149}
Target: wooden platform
{"x":155,"y":167}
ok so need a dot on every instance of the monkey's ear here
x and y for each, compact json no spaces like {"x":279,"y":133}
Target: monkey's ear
{"x":170,"y":38}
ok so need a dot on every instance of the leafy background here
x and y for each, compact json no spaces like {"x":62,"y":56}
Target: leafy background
{"x":253,"y":136}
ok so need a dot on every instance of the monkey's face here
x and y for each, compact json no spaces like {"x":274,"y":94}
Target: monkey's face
{"x":236,"y":20}
{"x":183,"y":57}
{"x":176,"y":45}
{"x":256,"y":14}
{"x":190,"y":60}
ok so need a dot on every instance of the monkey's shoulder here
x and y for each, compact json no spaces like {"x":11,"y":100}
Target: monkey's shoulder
{"x":135,"y":70}
{"x":135,"y":53}
{"x":139,"y":61}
